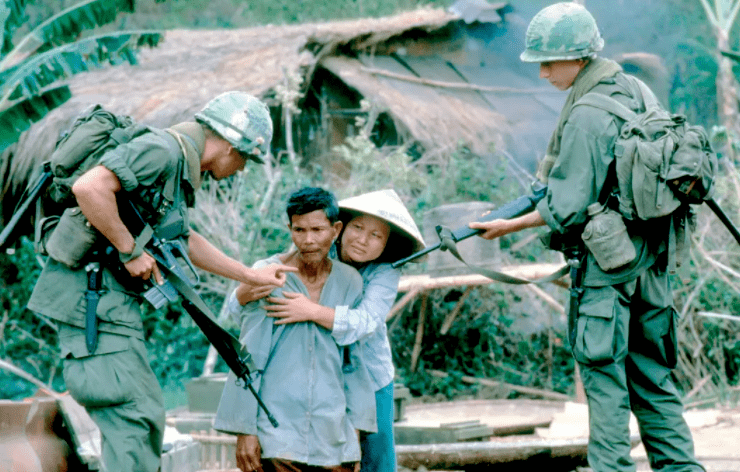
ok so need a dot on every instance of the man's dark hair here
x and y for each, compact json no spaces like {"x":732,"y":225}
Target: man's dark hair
{"x":310,"y":199}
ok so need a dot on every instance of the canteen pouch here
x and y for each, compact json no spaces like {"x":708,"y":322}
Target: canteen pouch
{"x":71,"y":239}
{"x":605,"y":236}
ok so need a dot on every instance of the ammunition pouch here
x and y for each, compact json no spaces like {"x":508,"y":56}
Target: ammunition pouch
{"x":71,"y":238}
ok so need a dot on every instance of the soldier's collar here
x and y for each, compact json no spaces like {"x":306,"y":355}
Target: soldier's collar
{"x":195,"y":145}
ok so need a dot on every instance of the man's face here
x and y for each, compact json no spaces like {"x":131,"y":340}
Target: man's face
{"x":561,"y":74}
{"x":228,"y":163}
{"x":313,"y":234}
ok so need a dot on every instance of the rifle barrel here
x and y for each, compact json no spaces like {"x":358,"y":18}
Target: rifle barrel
{"x":512,"y":209}
{"x":41,"y":183}
{"x":724,"y":218}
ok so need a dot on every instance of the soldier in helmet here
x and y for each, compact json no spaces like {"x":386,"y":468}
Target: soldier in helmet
{"x":622,"y":323}
{"x":160,"y":172}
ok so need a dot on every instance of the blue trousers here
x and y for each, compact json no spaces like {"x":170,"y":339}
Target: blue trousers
{"x":379,"y":449}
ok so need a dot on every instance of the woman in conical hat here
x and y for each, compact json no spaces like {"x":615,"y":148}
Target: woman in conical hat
{"x":378,"y":230}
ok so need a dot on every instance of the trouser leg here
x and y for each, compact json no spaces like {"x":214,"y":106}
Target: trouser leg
{"x":600,"y":347}
{"x":283,"y":465}
{"x":378,"y":449}
{"x":121,"y":394}
{"x":654,"y":397}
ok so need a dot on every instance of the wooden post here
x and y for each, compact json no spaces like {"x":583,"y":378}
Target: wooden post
{"x":419,"y":332}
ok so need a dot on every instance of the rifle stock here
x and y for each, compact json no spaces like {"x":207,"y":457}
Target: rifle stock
{"x":512,"y":209}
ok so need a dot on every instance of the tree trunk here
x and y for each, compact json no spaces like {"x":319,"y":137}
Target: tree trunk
{"x":727,"y":95}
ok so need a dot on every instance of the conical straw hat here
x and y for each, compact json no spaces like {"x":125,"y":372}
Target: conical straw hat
{"x":386,"y":205}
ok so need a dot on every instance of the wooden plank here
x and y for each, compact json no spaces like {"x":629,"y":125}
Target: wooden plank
{"x":459,"y":455}
{"x":83,"y":431}
{"x":449,"y":433}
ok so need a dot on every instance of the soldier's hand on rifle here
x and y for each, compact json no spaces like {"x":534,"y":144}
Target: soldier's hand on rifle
{"x":246,"y":293}
{"x":248,"y":453}
{"x":491,"y":229}
{"x":273,"y":274}
{"x":144,"y":267}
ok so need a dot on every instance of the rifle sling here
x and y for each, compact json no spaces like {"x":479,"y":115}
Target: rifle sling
{"x":222,"y":340}
{"x":448,"y":244}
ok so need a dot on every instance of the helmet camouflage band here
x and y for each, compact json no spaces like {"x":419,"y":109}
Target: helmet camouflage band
{"x":561,"y":32}
{"x":242,"y":120}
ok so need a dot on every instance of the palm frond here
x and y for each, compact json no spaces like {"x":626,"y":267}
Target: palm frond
{"x":734,"y":55}
{"x":11,"y":17}
{"x":62,"y":62}
{"x":18,"y":117}
{"x":66,"y":26}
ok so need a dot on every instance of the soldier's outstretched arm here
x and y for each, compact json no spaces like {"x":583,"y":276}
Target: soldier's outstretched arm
{"x":497,"y":228}
{"x":209,"y":258}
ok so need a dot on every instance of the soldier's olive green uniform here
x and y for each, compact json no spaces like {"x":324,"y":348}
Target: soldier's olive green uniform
{"x":623,"y":333}
{"x":624,"y":336}
{"x":116,"y":384}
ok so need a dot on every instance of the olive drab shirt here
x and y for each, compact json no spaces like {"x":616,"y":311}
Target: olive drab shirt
{"x":148,"y":168}
{"x":581,"y":171}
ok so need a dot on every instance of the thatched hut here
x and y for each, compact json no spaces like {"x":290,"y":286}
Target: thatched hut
{"x":437,"y":80}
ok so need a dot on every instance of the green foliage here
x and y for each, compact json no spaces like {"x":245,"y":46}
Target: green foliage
{"x":26,"y":340}
{"x":484,"y":341}
{"x":53,"y":51}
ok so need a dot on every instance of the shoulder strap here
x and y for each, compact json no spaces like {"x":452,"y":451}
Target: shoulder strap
{"x":648,"y":97}
{"x":607,"y":104}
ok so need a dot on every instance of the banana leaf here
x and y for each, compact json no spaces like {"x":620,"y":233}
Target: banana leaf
{"x":66,"y":27}
{"x":11,"y":17}
{"x":18,"y":117}
{"x":65,"y":61}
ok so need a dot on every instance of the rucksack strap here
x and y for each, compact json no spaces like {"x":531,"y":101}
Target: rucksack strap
{"x":608,"y":104}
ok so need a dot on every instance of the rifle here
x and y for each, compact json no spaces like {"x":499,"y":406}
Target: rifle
{"x":29,"y":196}
{"x":178,"y":285}
{"x":517,"y":207}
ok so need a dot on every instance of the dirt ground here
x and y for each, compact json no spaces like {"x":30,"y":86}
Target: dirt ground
{"x":716,"y":440}
{"x":716,"y":432}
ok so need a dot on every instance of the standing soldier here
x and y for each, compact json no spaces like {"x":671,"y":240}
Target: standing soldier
{"x":622,"y":323}
{"x":159,"y":172}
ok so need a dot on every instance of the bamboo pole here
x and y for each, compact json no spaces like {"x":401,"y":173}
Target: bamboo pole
{"x":454,"y":85}
{"x":419,"y":332}
{"x":450,"y":318}
{"x":495,"y":383}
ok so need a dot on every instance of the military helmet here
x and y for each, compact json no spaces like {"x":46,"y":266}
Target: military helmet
{"x":242,"y":120}
{"x":561,"y":32}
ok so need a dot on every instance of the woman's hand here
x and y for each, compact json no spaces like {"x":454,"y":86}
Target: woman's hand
{"x":294,"y":308}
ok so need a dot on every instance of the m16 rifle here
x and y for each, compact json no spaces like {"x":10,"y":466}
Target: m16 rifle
{"x":517,"y":207}
{"x":177,"y":285}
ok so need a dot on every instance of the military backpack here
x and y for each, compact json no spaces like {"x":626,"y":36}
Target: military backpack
{"x":64,"y":234}
{"x":662,"y":162}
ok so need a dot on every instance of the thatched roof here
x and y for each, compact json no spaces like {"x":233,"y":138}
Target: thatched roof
{"x":190,"y":67}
